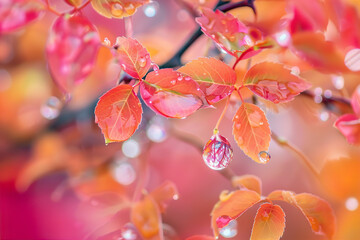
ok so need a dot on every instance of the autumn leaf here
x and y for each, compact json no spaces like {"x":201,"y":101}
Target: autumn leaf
{"x":349,"y":126}
{"x":117,"y":8}
{"x":215,"y":78}
{"x":15,"y":14}
{"x":316,"y":210}
{"x":231,"y":206}
{"x":132,"y":56}
{"x":165,"y":192}
{"x":273,"y":82}
{"x":71,"y":50}
{"x":269,"y":223}
{"x":75,"y":3}
{"x":171,"y":94}
{"x":252,"y":132}
{"x":230,"y":34}
{"x":118,"y":113}
{"x":249,"y":182}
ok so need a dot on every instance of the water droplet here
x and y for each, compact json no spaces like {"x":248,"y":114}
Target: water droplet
{"x":264,"y":157}
{"x":351,"y":204}
{"x":156,"y":130}
{"x":222,"y":221}
{"x":117,"y":9}
{"x":130,"y":9}
{"x":142,"y":62}
{"x":180,"y":78}
{"x":155,"y":67}
{"x":217,"y":153}
{"x":123,"y":66}
{"x":173,"y":82}
{"x":107,"y":41}
{"x":131,"y":148}
{"x":123,"y":172}
{"x":338,"y":82}
{"x":187,"y":78}
{"x":230,"y":230}
{"x":352,"y":60}
{"x":151,"y":9}
{"x":295,"y":71}
{"x":51,"y":108}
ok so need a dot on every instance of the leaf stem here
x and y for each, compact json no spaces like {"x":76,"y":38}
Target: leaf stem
{"x":216,"y":129}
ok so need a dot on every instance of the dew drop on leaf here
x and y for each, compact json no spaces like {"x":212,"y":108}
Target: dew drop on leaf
{"x":264,"y":157}
{"x":155,"y":67}
{"x":117,"y":9}
{"x":51,"y":108}
{"x":230,"y":230}
{"x":142,"y":62}
{"x":222,"y":221}
{"x":217,"y":153}
{"x":173,"y":82}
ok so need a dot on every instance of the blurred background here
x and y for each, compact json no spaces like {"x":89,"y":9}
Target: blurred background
{"x":58,"y":180}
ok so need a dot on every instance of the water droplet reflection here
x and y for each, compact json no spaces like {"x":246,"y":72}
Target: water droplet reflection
{"x":217,"y":153}
{"x":230,"y":230}
{"x":264,"y":157}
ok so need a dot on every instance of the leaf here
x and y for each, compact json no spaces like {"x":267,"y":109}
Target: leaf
{"x":249,"y":182}
{"x":215,"y":78}
{"x":273,"y":82}
{"x":349,"y":126}
{"x":132,"y":56}
{"x":355,"y":101}
{"x":15,"y":14}
{"x":321,"y":54}
{"x":231,"y":206}
{"x":165,"y":192}
{"x":200,"y":237}
{"x":74,"y":3}
{"x":117,"y":8}
{"x":251,"y":131}
{"x":269,"y":223}
{"x":71,"y":50}
{"x":145,"y":215}
{"x":230,"y":34}
{"x":118,"y":113}
{"x":171,"y":94}
{"x":316,"y":210}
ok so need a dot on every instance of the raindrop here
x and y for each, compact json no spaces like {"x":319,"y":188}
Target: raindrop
{"x":352,"y":60}
{"x":151,"y":9}
{"x":117,"y":9}
{"x":123,"y":172}
{"x":173,"y":82}
{"x":142,"y":62}
{"x":155,"y":67}
{"x":217,"y":153}
{"x":264,"y":157}
{"x":351,"y":204}
{"x":180,"y":78}
{"x":295,"y":71}
{"x":338,"y":82}
{"x":230,"y":230}
{"x":222,"y":221}
{"x":156,"y":130}
{"x":187,"y":78}
{"x":51,"y":108}
{"x":131,"y":148}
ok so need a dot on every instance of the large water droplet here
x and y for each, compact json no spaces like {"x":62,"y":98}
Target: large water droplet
{"x":131,"y":148}
{"x":230,"y":230}
{"x":264,"y":157}
{"x":117,"y":9}
{"x":351,"y":204}
{"x":123,"y":172}
{"x":155,"y":67}
{"x":222,"y":221}
{"x":217,"y":152}
{"x":51,"y":108}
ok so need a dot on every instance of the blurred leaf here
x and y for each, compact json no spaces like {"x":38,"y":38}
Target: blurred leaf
{"x":165,"y":192}
{"x":317,"y":211}
{"x":15,"y":14}
{"x":274,"y":82}
{"x":215,"y":78}
{"x":117,"y":8}
{"x":249,"y":182}
{"x":269,"y":223}
{"x":251,"y":131}
{"x":71,"y":50}
{"x":349,"y":126}
{"x":132,"y":56}
{"x":118,"y":113}
{"x":231,"y":206}
{"x":355,"y":101}
{"x":165,"y":94}
{"x":200,"y":237}
{"x":75,"y":3}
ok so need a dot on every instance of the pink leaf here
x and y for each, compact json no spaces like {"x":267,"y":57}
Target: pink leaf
{"x":71,"y":50}
{"x":355,"y":101}
{"x":17,"y":13}
{"x":171,"y":94}
{"x":349,"y":126}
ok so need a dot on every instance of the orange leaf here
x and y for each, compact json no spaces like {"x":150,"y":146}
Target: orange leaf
{"x":269,"y":223}
{"x":171,"y":94}
{"x":250,"y":182}
{"x":132,"y":56}
{"x":145,"y":215}
{"x":274,"y":82}
{"x":215,"y":78}
{"x":317,"y":211}
{"x":118,"y":113}
{"x":117,"y":8}
{"x":231,"y":206}
{"x":252,"y":132}
{"x":167,"y":191}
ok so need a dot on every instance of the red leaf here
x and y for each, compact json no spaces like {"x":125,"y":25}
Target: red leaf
{"x":230,"y":34}
{"x":133,"y":57}
{"x":274,"y":82}
{"x":118,"y":113}
{"x":355,"y":101}
{"x":71,"y":50}
{"x":231,"y":206}
{"x":74,"y":3}
{"x":200,"y":237}
{"x":316,"y":210}
{"x":323,"y":55}
{"x":165,"y":192}
{"x":349,"y":126}
{"x":252,"y":132}
{"x":249,"y":182}
{"x":269,"y":223}
{"x":171,"y":94}
{"x":15,"y":14}
{"x":215,"y":78}
{"x":117,"y":8}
